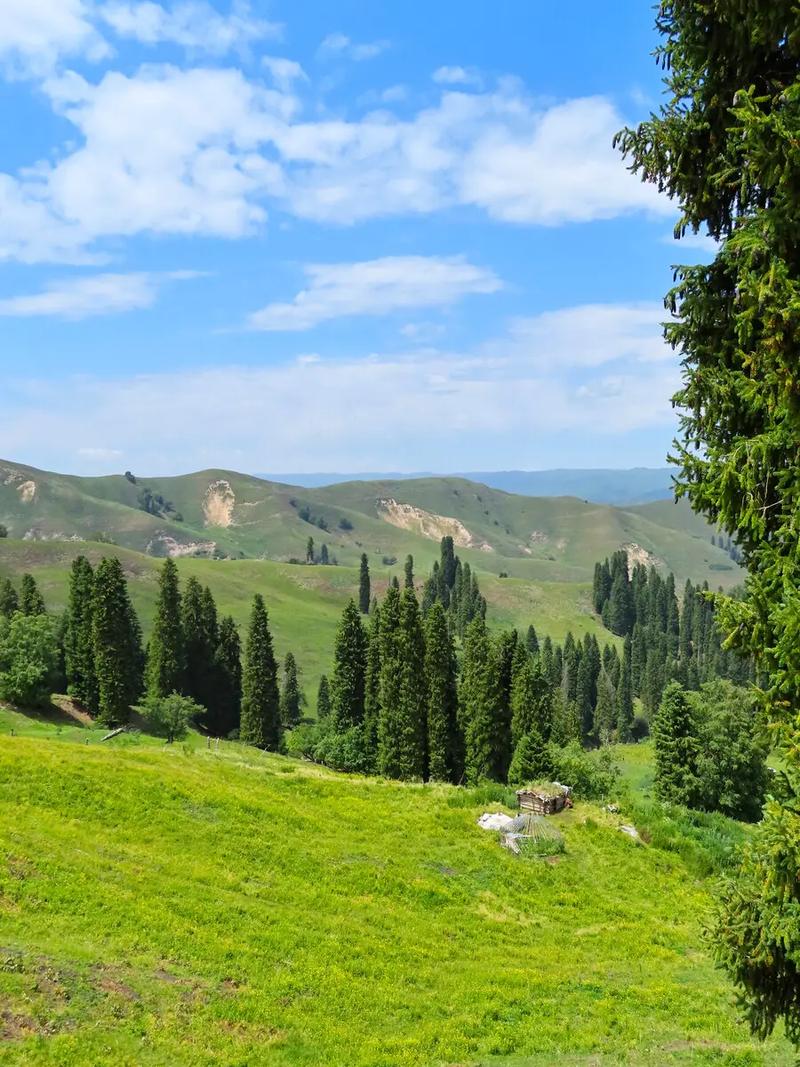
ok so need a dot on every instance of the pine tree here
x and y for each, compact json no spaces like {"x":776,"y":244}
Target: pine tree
{"x":531,"y":702}
{"x":605,"y":715}
{"x":310,"y":550}
{"x":225,"y":712}
{"x":505,"y":652}
{"x":323,"y":699}
{"x":9,"y":602}
{"x":442,"y":698}
{"x":349,"y":672}
{"x":448,"y":562}
{"x":291,"y":696}
{"x":31,"y":601}
{"x":364,"y":585}
{"x":675,"y":747}
{"x":116,"y":638}
{"x":260,"y":718}
{"x":479,"y":702}
{"x":409,"y":572}
{"x":78,"y":637}
{"x":197,"y":628}
{"x":529,"y":761}
{"x":324,"y":557}
{"x":625,"y":695}
{"x":532,"y":641}
{"x":620,"y":604}
{"x":567,"y":723}
{"x":166,"y":656}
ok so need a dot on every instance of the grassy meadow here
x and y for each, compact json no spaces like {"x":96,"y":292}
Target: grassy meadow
{"x":166,"y":904}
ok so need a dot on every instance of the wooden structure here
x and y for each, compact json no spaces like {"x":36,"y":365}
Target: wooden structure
{"x":544,"y":800}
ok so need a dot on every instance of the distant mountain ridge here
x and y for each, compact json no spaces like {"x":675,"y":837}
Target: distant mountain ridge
{"x":634,"y":485}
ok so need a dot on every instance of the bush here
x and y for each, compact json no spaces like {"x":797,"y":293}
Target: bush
{"x":640,"y":728}
{"x":170,"y":716}
{"x":347,"y":751}
{"x":28,"y":659}
{"x":345,"y":524}
{"x":591,"y":775}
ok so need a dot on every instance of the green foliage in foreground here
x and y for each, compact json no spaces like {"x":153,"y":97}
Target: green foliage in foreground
{"x":163,"y":905}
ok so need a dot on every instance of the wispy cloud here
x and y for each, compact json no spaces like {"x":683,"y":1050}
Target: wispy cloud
{"x":375,"y":287}
{"x":338,"y":44}
{"x":192,"y":24}
{"x":94,"y":295}
{"x":456,"y":76}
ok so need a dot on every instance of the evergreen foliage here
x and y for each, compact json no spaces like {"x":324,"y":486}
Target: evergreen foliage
{"x":323,"y":698}
{"x":349,"y":672}
{"x":479,"y":705}
{"x":31,"y":601}
{"x":166,"y":653}
{"x":117,"y":641}
{"x":291,"y":694}
{"x":9,"y":601}
{"x":442,"y":698}
{"x":260,"y":717}
{"x":364,"y":585}
{"x":530,"y":760}
{"x":222,"y":717}
{"x":78,"y":639}
{"x":674,"y":731}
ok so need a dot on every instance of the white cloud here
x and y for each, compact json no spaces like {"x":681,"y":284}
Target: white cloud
{"x":192,"y":24}
{"x":36,"y":34}
{"x":338,"y":44}
{"x":375,"y":287}
{"x":456,"y":76}
{"x":427,"y":407}
{"x":86,"y":297}
{"x":284,"y":72}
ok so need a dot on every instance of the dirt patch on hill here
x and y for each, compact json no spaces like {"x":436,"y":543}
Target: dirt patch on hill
{"x":163,"y":545}
{"x":27,"y":492}
{"x":218,"y":504}
{"x":427,"y":523}
{"x":637,"y":554}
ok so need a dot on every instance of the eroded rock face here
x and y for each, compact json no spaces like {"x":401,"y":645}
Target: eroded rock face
{"x":637,"y":554}
{"x":218,"y":504}
{"x":27,"y":492}
{"x":164,"y":545}
{"x":427,"y":523}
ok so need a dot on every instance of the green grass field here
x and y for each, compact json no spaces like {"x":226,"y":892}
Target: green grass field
{"x":170,"y":905}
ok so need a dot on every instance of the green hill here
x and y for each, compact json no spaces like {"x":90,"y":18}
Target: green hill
{"x":221,"y":513}
{"x":173,"y":905}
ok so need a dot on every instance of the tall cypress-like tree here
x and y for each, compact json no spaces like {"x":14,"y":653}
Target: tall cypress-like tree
{"x":531,"y":703}
{"x":9,"y":601}
{"x":605,"y":716}
{"x":391,"y":654}
{"x":625,"y":695}
{"x":349,"y":671}
{"x":529,"y":761}
{"x":197,"y":626}
{"x":505,"y":652}
{"x":79,"y":664}
{"x":364,"y":585}
{"x":31,"y":601}
{"x":675,"y":747}
{"x":116,"y":637}
{"x":479,"y":702}
{"x":166,"y":654}
{"x":409,"y":572}
{"x":532,"y":641}
{"x":323,"y":698}
{"x":291,"y":695}
{"x":372,"y":681}
{"x":225,"y":710}
{"x":261,"y":718}
{"x":442,"y":698}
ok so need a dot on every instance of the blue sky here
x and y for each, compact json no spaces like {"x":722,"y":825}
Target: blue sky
{"x":329,"y":237}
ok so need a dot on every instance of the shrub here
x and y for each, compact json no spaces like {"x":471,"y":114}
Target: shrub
{"x":170,"y":716}
{"x":591,"y":775}
{"x":345,"y":524}
{"x":28,"y":659}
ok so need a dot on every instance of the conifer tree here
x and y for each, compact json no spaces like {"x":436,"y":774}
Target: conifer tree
{"x":625,"y":695}
{"x":364,"y":585}
{"x":31,"y":601}
{"x":310,"y":550}
{"x":529,"y":761}
{"x":260,"y":718}
{"x":448,"y":563}
{"x":605,"y":715}
{"x":291,"y":695}
{"x":372,"y":681}
{"x":349,"y":672}
{"x":116,"y":638}
{"x":620,"y":603}
{"x":9,"y":601}
{"x":532,"y":641}
{"x":479,"y":701}
{"x":675,"y":747}
{"x":323,"y":698}
{"x":505,"y":652}
{"x":409,"y":572}
{"x":78,"y":636}
{"x":197,"y":629}
{"x":531,"y":702}
{"x":166,"y":655}
{"x":390,"y":666}
{"x":402,"y":729}
{"x":567,"y":723}
{"x":225,"y":712}
{"x":442,"y":698}
{"x":324,"y":557}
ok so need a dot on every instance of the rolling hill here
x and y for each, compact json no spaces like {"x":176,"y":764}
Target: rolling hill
{"x":222,"y":513}
{"x":174,"y":905}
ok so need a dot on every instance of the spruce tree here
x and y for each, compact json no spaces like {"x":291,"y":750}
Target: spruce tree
{"x":198,"y":632}
{"x":364,"y":585}
{"x":349,"y":671}
{"x":310,"y":550}
{"x":567,"y":723}
{"x":625,"y":695}
{"x":409,"y":572}
{"x":323,"y":698}
{"x":260,"y":718}
{"x":166,"y":657}
{"x":372,"y":682}
{"x":116,"y":638}
{"x":225,"y":712}
{"x":9,"y":601}
{"x":390,"y":667}
{"x":78,"y":636}
{"x":529,"y":761}
{"x":291,"y":696}
{"x":531,"y":702}
{"x":402,"y":729}
{"x":675,"y":747}
{"x":505,"y":651}
{"x":442,"y":698}
{"x":532,"y":641}
{"x":605,"y":715}
{"x":31,"y":601}
{"x":479,"y":705}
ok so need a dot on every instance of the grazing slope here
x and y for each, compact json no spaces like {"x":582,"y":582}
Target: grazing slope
{"x":224,"y":513}
{"x":169,"y":905}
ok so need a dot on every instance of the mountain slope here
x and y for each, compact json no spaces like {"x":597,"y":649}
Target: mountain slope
{"x":172,"y":905}
{"x":222,"y":513}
